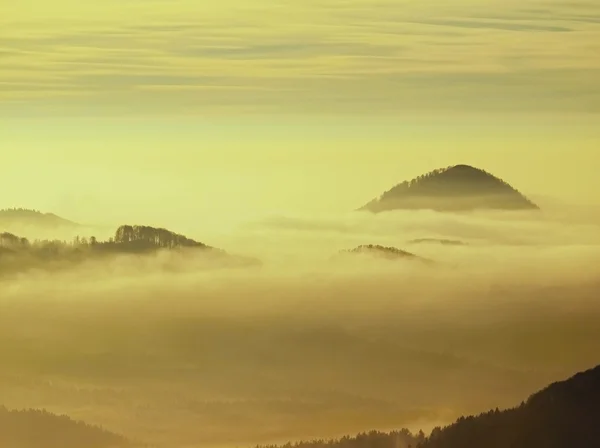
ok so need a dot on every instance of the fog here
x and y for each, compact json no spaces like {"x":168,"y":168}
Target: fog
{"x":170,"y":353}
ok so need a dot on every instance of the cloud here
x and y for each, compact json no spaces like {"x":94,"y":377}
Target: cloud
{"x":299,"y":52}
{"x":551,"y":228}
{"x":495,"y":25}
{"x":168,"y":352}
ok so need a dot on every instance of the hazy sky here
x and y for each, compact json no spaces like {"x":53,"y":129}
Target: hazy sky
{"x":115,"y":106}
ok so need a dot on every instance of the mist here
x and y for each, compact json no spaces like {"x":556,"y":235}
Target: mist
{"x":180,"y":351}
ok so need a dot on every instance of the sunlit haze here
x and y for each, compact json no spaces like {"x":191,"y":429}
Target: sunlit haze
{"x":272,"y":310}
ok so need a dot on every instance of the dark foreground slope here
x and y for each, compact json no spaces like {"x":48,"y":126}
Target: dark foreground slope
{"x":456,"y":188}
{"x":41,"y":429}
{"x":565,"y":414}
{"x":372,"y":439}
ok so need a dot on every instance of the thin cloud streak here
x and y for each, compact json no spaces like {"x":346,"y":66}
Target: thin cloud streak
{"x":301,"y":51}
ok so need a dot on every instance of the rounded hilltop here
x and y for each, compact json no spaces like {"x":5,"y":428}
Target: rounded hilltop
{"x":455,"y":188}
{"x":376,"y":249}
{"x":382,"y":252}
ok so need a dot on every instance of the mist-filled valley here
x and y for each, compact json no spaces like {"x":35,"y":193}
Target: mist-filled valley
{"x":307,"y":344}
{"x":300,"y":224}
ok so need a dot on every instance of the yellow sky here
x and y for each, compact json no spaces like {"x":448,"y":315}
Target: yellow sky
{"x":336,"y":56}
{"x":310,"y":105}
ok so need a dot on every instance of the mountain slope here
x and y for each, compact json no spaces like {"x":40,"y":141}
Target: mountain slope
{"x":372,"y":439}
{"x":456,"y":188}
{"x":565,"y":414}
{"x":40,"y":429}
{"x":11,"y":217}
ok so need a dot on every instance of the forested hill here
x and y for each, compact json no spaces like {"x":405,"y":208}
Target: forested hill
{"x":564,"y":414}
{"x":377,"y":251}
{"x":18,"y":253}
{"x":129,"y":237}
{"x":456,"y":188}
{"x":126,"y":238}
{"x":373,"y":439}
{"x":40,"y":429}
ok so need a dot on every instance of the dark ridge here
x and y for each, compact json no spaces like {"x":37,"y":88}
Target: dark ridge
{"x":389,"y":253}
{"x":140,"y":238}
{"x":17,"y":253}
{"x":564,"y":414}
{"x":373,"y":439}
{"x":34,"y":428}
{"x":582,"y":388}
{"x":456,"y":188}
{"x":22,"y":216}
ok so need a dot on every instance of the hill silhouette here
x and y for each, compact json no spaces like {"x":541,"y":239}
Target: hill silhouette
{"x":18,"y":253}
{"x":34,"y":428}
{"x":14,"y":217}
{"x":456,"y":188}
{"x":372,"y":439}
{"x":564,"y":414}
{"x":383,"y":252}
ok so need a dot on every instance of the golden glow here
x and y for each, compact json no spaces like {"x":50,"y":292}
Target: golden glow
{"x":156,"y":57}
{"x":510,"y":86}
{"x":256,"y":126}
{"x":118,"y":170}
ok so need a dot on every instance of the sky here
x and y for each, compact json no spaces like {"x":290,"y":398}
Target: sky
{"x":134,"y":109}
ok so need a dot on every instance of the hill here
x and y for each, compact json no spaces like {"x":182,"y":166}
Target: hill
{"x":372,"y":439}
{"x":15,"y":217}
{"x":383,"y":252}
{"x":18,"y":253}
{"x":564,"y":414}
{"x":456,"y":188}
{"x":40,"y":429}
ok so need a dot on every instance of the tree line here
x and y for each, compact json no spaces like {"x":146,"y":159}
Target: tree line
{"x":564,"y":414}
{"x":126,"y":238}
{"x":33,"y":428}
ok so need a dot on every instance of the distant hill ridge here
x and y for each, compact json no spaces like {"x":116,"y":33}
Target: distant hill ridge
{"x":24,"y":216}
{"x":127,"y":238}
{"x":389,"y":251}
{"x":455,"y":188}
{"x":18,"y":253}
{"x":34,"y":428}
{"x":155,"y":237}
{"x":383,"y":252}
{"x":442,"y":241}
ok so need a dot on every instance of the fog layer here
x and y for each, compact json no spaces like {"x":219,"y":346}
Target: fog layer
{"x":308,"y":345}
